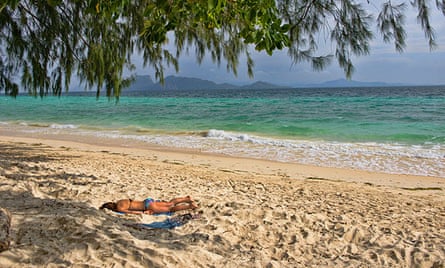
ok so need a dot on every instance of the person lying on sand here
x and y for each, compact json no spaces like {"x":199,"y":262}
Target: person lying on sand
{"x":151,"y":206}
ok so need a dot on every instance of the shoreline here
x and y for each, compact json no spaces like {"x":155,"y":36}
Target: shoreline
{"x":374,"y":158}
{"x":254,"y":213}
{"x":234,"y":164}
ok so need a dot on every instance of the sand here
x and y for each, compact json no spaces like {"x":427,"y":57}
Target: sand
{"x":254,"y":213}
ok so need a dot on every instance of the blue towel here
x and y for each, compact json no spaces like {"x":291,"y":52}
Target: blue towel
{"x":169,"y":223}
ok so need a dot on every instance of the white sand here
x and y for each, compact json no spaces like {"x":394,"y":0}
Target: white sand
{"x":255,"y":213}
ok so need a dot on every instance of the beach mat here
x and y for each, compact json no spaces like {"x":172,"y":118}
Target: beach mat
{"x":169,"y":223}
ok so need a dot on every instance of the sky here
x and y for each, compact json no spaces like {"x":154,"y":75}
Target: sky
{"x":417,"y":65}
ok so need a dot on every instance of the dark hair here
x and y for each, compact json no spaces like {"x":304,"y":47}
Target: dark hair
{"x":109,"y":205}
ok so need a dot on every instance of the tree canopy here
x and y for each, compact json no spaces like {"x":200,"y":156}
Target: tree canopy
{"x":43,"y":43}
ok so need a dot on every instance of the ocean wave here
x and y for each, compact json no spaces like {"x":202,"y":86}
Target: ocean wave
{"x":221,"y":134}
{"x":34,"y":124}
{"x":425,"y":160}
{"x":63,"y":126}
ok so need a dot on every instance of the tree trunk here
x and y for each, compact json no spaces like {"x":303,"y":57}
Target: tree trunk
{"x":5,"y":225}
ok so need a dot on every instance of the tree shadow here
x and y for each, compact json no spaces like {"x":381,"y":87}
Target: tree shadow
{"x":49,"y":230}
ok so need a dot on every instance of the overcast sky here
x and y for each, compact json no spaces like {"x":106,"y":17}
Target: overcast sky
{"x":416,"y":65}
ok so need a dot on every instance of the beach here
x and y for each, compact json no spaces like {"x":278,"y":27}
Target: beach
{"x":253,"y":213}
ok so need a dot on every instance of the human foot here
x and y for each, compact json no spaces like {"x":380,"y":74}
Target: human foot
{"x":193,"y":205}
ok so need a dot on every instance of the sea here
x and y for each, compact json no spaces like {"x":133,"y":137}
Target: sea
{"x":398,"y":130}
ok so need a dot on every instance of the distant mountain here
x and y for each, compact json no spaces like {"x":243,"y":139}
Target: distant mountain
{"x":188,"y":83}
{"x":261,"y":85}
{"x":143,"y":83}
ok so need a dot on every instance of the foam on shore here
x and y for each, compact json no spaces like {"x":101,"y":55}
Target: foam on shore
{"x":393,"y":158}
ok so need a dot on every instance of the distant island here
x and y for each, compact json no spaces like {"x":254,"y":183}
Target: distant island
{"x":188,"y":83}
{"x":144,"y":84}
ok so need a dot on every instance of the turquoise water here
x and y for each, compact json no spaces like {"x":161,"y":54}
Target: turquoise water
{"x":363,"y":127}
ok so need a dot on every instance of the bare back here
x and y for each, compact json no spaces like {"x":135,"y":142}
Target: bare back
{"x":125,"y":205}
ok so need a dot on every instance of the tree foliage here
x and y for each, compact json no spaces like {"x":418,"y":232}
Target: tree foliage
{"x":43,"y":43}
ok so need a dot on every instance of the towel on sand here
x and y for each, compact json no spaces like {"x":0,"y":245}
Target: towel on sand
{"x":168,"y":223}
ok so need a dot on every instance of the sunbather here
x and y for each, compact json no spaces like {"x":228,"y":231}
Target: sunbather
{"x":151,"y":206}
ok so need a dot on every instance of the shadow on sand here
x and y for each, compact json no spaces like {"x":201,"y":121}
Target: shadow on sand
{"x":64,"y":232}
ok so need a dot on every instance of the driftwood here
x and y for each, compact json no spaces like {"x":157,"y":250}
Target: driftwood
{"x":5,"y":225}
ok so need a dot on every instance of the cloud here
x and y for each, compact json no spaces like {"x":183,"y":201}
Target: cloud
{"x":416,"y":65}
{"x":412,"y":68}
